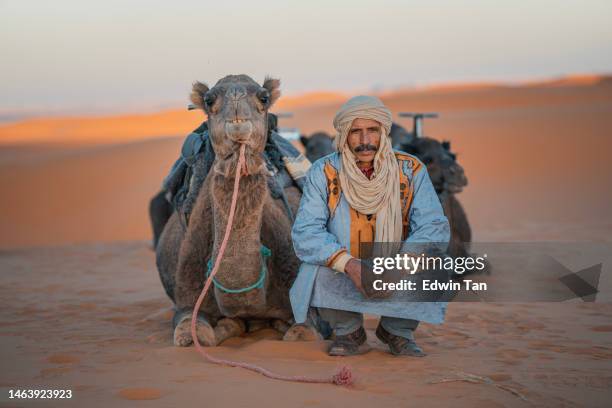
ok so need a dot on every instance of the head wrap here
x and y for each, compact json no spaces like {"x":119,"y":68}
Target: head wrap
{"x":380,"y":194}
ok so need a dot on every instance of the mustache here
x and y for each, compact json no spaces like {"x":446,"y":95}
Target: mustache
{"x":366,"y":148}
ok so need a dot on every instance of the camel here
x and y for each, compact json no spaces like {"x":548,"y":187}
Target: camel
{"x":259,"y":265}
{"x":448,"y":179}
{"x":317,"y":145}
{"x":399,"y":135}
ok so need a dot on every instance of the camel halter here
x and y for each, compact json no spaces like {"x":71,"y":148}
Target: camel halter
{"x":342,"y":377}
{"x":265,"y":254}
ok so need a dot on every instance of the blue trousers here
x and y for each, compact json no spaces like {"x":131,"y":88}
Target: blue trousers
{"x":344,"y":322}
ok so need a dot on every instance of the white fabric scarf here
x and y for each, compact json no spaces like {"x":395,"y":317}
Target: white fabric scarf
{"x":379,"y":195}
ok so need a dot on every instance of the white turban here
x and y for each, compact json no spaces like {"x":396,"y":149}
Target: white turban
{"x":379,"y":195}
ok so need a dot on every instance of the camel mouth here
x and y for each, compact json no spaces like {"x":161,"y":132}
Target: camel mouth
{"x":239,"y":130}
{"x":454,"y":188}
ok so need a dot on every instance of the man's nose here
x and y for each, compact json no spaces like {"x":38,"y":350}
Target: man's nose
{"x":364,"y":138}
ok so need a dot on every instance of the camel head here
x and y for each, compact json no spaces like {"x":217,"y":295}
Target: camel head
{"x":399,"y":136}
{"x":445,"y":173}
{"x":319,"y":144}
{"x":237,"y":110}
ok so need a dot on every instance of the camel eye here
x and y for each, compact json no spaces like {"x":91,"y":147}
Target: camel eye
{"x":209,"y":100}
{"x":263,"y":96}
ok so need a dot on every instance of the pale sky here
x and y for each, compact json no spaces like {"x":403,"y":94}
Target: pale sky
{"x":125,"y":55}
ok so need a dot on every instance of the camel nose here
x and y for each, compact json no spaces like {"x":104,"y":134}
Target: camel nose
{"x":237,"y":101}
{"x":236,"y":92}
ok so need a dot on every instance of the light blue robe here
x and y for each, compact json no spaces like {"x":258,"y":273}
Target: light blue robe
{"x":317,"y":236}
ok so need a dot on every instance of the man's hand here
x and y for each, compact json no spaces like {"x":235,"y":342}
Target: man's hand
{"x":363,"y":278}
{"x":353,"y":270}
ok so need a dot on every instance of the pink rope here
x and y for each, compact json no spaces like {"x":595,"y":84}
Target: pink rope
{"x":342,"y":377}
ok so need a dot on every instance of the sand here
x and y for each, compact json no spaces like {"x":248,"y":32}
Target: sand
{"x":82,"y":307}
{"x":93,"y":318}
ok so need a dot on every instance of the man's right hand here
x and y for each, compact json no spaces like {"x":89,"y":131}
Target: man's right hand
{"x":363,"y":278}
{"x":353,"y":270}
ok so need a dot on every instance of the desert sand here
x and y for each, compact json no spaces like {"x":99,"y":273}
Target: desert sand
{"x":83,"y":308}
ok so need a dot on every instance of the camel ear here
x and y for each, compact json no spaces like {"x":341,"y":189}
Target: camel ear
{"x":197,"y":94}
{"x":304,"y":140}
{"x":446,"y":145}
{"x":273,"y":86}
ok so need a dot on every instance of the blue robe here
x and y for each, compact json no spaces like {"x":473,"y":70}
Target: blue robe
{"x":317,"y":235}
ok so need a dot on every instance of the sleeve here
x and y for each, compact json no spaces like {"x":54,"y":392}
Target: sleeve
{"x":428,"y":224}
{"x":311,"y":240}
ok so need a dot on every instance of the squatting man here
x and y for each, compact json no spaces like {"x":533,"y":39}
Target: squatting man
{"x":364,"y":192}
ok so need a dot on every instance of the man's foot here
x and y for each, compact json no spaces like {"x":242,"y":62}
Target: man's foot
{"x":399,"y":346}
{"x":350,"y":344}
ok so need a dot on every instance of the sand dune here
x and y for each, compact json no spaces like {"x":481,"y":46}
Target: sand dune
{"x":536,"y":158}
{"x":448,"y":97}
{"x":85,"y":312}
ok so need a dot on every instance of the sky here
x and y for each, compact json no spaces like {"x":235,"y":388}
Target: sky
{"x":75,"y":56}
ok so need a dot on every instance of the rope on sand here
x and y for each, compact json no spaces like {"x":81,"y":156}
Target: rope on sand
{"x":343,"y":376}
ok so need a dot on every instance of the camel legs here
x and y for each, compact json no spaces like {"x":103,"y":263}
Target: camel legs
{"x":280,"y":325}
{"x":302,"y":332}
{"x":229,"y":327}
{"x":182,"y":330}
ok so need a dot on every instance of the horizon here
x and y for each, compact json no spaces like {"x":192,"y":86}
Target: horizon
{"x":61,"y":58}
{"x":577,"y":79}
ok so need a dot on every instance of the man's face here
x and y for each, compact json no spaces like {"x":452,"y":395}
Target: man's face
{"x":364,"y":139}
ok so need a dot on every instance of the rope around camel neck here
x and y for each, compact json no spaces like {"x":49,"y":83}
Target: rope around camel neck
{"x":342,"y":377}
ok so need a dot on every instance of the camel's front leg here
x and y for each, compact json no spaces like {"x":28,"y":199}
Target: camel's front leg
{"x":182,"y":330}
{"x":302,"y":332}
{"x":228,"y":327}
{"x":189,"y":284}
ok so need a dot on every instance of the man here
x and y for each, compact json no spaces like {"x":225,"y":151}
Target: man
{"x":365,"y":192}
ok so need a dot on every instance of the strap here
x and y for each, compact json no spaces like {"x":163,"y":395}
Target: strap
{"x":265,"y":254}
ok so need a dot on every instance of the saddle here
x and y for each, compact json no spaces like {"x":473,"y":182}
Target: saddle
{"x":285,"y":164}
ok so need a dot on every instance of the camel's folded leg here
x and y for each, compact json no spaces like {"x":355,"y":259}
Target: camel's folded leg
{"x":257,"y":324}
{"x":302,"y":332}
{"x":228,"y":327}
{"x":182,"y":330}
{"x":281,"y":325}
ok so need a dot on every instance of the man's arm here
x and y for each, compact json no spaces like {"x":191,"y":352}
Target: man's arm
{"x":312,"y":242}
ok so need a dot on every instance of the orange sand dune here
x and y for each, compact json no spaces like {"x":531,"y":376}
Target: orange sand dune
{"x":536,"y":158}
{"x":309,"y":110}
{"x":93,"y":317}
{"x":128,"y":128}
{"x":97,"y":130}
{"x":308,"y":99}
